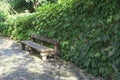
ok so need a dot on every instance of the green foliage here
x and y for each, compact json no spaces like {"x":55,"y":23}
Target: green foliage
{"x":36,"y":3}
{"x":2,"y":17}
{"x":3,"y":26}
{"x":31,"y":5}
{"x":88,"y":31}
{"x":20,"y":26}
{"x":4,"y":11}
{"x":19,"y":5}
{"x":4,"y":8}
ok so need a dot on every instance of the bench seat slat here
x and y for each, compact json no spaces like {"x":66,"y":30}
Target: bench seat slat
{"x":38,"y":47}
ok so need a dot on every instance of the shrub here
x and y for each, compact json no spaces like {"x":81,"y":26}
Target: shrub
{"x":20,"y":26}
{"x":3,"y":26}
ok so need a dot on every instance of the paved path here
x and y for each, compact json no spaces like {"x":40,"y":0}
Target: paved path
{"x":16,"y":64}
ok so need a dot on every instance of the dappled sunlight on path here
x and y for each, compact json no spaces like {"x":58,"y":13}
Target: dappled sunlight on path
{"x":16,"y":64}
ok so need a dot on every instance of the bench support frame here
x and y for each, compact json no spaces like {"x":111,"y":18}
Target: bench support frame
{"x":44,"y":40}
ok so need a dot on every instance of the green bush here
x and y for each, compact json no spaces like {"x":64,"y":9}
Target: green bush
{"x":3,"y":26}
{"x":88,"y":32}
{"x":20,"y":26}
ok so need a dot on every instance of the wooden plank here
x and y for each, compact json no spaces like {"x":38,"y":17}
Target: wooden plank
{"x":54,"y":42}
{"x":38,"y":47}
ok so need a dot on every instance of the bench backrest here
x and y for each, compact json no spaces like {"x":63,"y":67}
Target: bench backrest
{"x":45,"y":39}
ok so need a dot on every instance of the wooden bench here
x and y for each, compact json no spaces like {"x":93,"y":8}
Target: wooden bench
{"x":42,"y":48}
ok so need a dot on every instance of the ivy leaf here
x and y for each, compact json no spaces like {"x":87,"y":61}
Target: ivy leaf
{"x":97,"y":54}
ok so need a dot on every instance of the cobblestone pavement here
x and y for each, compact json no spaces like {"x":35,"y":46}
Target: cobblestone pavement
{"x":16,"y":64}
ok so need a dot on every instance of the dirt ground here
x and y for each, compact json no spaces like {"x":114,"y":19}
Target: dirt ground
{"x":16,"y":64}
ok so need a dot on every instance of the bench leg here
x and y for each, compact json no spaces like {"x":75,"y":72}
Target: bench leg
{"x":56,"y":57}
{"x":30,"y":50}
{"x":23,"y":46}
{"x":44,"y":57}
